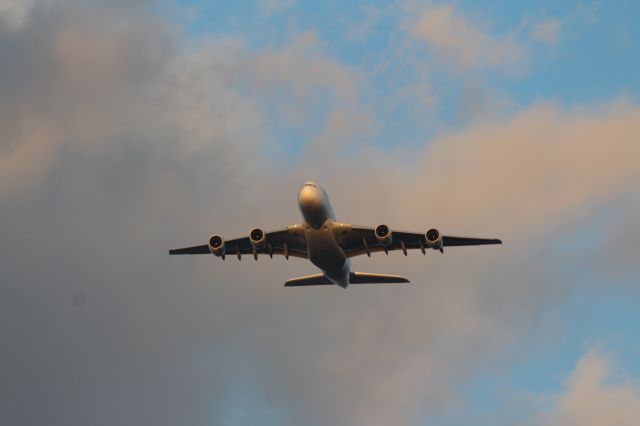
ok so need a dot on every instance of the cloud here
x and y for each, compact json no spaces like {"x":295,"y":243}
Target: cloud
{"x":105,"y":122}
{"x":593,"y":398}
{"x":14,"y":13}
{"x":275,"y":6}
{"x":124,"y":140}
{"x":547,"y":31}
{"x":370,"y":18}
{"x":62,"y":85}
{"x":102,"y":119}
{"x":533,"y":172}
{"x":456,"y":38}
{"x":616,"y":257}
{"x":301,"y":67}
{"x":555,"y":162}
{"x":524,"y":179}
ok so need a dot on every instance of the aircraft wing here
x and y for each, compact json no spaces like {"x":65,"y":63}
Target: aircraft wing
{"x":361,"y":240}
{"x":287,"y":242}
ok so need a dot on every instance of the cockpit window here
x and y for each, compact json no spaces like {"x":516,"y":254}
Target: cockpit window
{"x":311,"y":184}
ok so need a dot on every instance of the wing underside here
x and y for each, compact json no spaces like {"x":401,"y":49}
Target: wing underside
{"x":354,"y":240}
{"x":285,"y":242}
{"x":367,"y":278}
{"x":362,"y":240}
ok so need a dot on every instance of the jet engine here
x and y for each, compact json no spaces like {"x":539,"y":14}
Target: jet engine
{"x":258,"y":238}
{"x":216,"y":245}
{"x":434,"y":239}
{"x":383,"y":235}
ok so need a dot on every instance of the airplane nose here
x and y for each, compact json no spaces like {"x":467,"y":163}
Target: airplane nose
{"x":307,"y":196}
{"x":312,"y":204}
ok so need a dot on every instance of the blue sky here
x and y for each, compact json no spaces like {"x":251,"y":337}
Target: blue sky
{"x":134,"y":126}
{"x":590,"y":61}
{"x":587,"y":61}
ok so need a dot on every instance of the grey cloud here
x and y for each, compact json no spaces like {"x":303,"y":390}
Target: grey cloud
{"x":121,"y":143}
{"x":121,"y":146}
{"x":108,"y":151}
{"x":617,"y":256}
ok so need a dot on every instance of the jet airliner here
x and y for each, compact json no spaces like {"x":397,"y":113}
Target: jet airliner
{"x":329,"y":244}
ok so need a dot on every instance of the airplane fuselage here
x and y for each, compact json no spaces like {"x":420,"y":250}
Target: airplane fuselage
{"x":320,"y":233}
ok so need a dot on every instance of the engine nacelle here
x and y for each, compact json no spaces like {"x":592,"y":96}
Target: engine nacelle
{"x":216,"y":245}
{"x":434,"y":239}
{"x":258,"y":238}
{"x":383,"y":235}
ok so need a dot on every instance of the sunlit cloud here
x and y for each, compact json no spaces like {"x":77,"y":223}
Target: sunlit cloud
{"x":593,"y":397}
{"x":547,"y":31}
{"x":467,"y":45}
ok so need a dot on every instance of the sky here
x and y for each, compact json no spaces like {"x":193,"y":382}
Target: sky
{"x":130,"y":127}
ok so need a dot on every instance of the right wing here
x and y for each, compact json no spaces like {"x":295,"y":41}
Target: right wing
{"x":358,"y":240}
{"x":287,"y":242}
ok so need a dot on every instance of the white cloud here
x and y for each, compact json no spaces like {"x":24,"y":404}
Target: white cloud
{"x":14,"y":13}
{"x":456,"y":38}
{"x":592,"y":398}
{"x":547,"y":31}
{"x":275,"y":6}
{"x":301,"y":67}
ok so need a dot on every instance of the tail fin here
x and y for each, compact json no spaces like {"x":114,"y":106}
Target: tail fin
{"x":365,"y":278}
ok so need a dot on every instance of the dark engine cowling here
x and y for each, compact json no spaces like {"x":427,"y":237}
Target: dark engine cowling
{"x":383,"y":235}
{"x":434,"y":239}
{"x":258,"y":238}
{"x":216,"y":245}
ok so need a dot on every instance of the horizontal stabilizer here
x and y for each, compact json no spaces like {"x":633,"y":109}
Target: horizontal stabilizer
{"x":354,"y":278}
{"x":365,"y":278}
{"x":203,"y":249}
{"x":317,"y":279}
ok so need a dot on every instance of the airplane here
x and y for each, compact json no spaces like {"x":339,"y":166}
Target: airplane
{"x":328,"y":244}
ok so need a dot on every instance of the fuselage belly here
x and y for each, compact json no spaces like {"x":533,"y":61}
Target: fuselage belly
{"x":325,"y":252}
{"x":322,"y":247}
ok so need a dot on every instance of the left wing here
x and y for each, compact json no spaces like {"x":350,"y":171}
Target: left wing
{"x":287,"y":242}
{"x":359,"y":240}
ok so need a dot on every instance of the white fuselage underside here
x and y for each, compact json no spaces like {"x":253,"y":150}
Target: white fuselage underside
{"x":320,"y":233}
